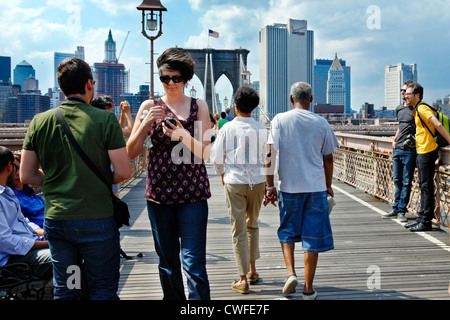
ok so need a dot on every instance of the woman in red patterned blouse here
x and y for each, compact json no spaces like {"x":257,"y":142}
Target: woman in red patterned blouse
{"x":177,"y":186}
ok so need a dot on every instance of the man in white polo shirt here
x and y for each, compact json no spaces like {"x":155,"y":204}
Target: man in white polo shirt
{"x":239,"y":155}
{"x":305,"y":142}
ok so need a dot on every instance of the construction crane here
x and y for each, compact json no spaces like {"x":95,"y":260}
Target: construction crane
{"x":123,"y":45}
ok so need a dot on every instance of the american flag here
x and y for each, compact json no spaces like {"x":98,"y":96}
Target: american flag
{"x":213,"y":34}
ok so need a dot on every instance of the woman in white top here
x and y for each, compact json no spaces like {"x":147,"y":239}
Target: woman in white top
{"x":238,"y":155}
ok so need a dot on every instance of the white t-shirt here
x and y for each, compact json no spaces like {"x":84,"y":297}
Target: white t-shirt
{"x":302,"y":138}
{"x":239,"y":151}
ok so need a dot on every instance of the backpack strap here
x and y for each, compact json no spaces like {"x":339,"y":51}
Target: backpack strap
{"x":420,"y":118}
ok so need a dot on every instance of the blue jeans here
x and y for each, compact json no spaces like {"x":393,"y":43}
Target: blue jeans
{"x":403,"y":165}
{"x":175,"y":227}
{"x":96,"y":242}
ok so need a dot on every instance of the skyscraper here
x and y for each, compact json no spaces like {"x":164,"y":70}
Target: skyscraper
{"x":336,"y":89}
{"x":286,"y":57}
{"x":5,"y":70}
{"x":23,"y":71}
{"x":110,"y":76}
{"x":29,"y":104}
{"x":5,"y":83}
{"x":110,"y":49}
{"x":321,"y":74}
{"x":394,"y":77}
{"x":23,"y":106}
{"x":60,"y":56}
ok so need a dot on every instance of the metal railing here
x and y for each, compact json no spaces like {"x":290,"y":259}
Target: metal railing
{"x":138,"y":165}
{"x":366,"y":163}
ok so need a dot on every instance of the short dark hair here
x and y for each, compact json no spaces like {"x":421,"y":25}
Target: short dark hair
{"x":246,"y":99}
{"x":102,"y":102}
{"x":417,"y":89}
{"x":6,"y":156}
{"x":176,"y":60}
{"x":408,"y":82}
{"x":72,"y":75}
{"x":223,"y":115}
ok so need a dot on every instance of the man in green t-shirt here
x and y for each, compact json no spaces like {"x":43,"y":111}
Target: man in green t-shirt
{"x":223,"y":119}
{"x":79,"y":222}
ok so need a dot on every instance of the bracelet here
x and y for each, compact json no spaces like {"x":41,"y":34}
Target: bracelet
{"x":270,"y":188}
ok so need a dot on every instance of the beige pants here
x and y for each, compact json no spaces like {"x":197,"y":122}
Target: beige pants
{"x":244,"y":204}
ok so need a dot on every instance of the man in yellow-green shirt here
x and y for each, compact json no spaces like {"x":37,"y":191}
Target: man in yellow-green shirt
{"x":427,"y":154}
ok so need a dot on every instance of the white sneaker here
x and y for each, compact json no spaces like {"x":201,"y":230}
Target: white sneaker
{"x":310,"y":296}
{"x":291,"y":283}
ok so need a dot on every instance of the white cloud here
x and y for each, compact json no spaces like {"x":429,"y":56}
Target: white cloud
{"x":203,"y":5}
{"x":115,"y":7}
{"x":68,"y":6}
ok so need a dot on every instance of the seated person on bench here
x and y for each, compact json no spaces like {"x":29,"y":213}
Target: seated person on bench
{"x":20,"y":239}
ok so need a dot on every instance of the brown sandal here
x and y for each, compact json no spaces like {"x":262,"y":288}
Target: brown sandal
{"x":253,"y":277}
{"x":239,"y":287}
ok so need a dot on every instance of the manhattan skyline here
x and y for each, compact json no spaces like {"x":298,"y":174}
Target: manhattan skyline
{"x":368,"y":37}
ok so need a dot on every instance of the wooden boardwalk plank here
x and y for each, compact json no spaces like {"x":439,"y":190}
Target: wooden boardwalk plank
{"x":411,"y":266}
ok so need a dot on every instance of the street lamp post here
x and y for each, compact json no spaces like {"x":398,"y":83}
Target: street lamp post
{"x":150,"y":9}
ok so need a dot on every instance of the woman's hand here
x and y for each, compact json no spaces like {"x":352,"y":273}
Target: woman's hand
{"x":125,"y":107}
{"x":154,"y":113}
{"x":175,"y":132}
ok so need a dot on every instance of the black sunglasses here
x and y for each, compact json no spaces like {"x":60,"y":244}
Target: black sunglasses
{"x":175,"y":79}
{"x":403,"y":90}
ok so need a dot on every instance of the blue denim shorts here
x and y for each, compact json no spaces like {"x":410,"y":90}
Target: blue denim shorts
{"x":304,"y":217}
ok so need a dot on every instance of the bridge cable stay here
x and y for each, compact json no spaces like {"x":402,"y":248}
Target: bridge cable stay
{"x":123,"y":46}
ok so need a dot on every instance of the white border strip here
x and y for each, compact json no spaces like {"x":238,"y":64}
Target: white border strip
{"x":422,"y":234}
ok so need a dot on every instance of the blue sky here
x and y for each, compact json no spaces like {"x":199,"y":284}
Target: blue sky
{"x":405,"y":32}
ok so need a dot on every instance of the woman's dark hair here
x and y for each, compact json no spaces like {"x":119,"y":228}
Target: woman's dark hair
{"x":72,"y":75}
{"x":246,"y":99}
{"x":6,"y":156}
{"x":103,"y":102}
{"x":176,"y":60}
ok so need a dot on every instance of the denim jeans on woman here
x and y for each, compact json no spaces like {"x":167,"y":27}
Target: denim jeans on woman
{"x":181,"y":227}
{"x":96,"y":241}
{"x":403,"y":166}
